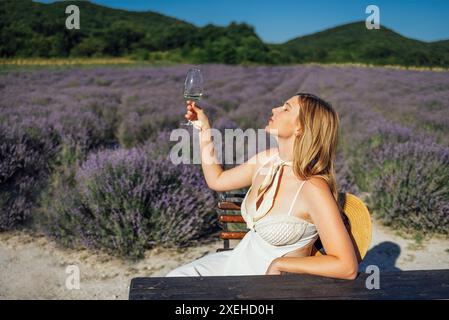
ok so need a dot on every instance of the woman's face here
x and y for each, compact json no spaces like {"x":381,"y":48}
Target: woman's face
{"x":283,"y":122}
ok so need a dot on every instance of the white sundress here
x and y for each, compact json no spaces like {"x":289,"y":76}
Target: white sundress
{"x":269,"y":237}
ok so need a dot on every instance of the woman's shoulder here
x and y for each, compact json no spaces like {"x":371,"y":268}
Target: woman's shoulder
{"x":316,"y":187}
{"x":318,"y":181}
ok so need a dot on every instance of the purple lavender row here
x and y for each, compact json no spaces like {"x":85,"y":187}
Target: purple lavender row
{"x":56,"y":128}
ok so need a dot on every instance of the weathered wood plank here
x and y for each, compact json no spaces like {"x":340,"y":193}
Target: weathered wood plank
{"x":226,"y":205}
{"x":404,"y":285}
{"x":232,"y":234}
{"x":231,"y":218}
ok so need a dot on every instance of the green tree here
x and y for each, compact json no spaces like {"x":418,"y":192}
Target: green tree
{"x":252,"y":50}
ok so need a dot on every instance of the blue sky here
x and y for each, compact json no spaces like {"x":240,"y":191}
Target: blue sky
{"x":281,"y":20}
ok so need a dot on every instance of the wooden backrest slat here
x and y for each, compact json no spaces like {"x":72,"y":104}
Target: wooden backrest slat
{"x":232,"y":235}
{"x":228,"y":205}
{"x":231,"y":218}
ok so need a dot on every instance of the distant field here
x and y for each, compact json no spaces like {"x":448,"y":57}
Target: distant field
{"x":55,"y":62}
{"x":62,"y":61}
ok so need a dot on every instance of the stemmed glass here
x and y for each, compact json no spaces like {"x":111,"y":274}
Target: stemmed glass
{"x":193,"y":88}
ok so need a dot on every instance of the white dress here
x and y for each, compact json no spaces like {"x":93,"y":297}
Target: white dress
{"x":269,"y":237}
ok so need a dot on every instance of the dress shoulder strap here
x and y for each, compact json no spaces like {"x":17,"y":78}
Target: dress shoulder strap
{"x":296,"y":196}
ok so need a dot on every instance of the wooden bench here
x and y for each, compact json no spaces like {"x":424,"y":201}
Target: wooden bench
{"x":404,"y":285}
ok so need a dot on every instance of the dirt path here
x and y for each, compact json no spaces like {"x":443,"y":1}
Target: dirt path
{"x":35,"y":268}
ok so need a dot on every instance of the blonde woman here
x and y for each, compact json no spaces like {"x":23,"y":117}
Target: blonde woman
{"x":291,"y":200}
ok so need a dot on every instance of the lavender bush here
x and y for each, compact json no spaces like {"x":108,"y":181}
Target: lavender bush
{"x":411,"y":187}
{"x":126,"y":201}
{"x":25,"y":163}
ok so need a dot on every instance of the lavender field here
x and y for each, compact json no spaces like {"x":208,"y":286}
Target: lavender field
{"x":84,"y":152}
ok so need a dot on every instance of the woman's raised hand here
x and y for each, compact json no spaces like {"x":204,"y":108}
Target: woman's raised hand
{"x":197,"y":116}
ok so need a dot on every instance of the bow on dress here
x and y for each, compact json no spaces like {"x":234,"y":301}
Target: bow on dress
{"x":267,"y":190}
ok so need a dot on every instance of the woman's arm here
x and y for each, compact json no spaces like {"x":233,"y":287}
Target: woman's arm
{"x":216,"y":178}
{"x":340,"y":260}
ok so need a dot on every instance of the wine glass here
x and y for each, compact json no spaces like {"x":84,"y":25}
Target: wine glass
{"x":193,"y":88}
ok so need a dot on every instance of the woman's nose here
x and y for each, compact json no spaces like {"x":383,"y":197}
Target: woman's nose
{"x":275,"y":109}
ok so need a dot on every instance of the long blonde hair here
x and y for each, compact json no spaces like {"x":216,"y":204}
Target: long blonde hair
{"x":314,"y":150}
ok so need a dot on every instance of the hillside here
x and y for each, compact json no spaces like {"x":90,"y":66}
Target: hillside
{"x":354,"y":43}
{"x":30,"y":29}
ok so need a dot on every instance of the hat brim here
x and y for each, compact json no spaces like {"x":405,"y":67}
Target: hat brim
{"x":358,"y":224}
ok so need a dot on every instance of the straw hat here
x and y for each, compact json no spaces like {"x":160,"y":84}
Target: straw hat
{"x":358,"y":222}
